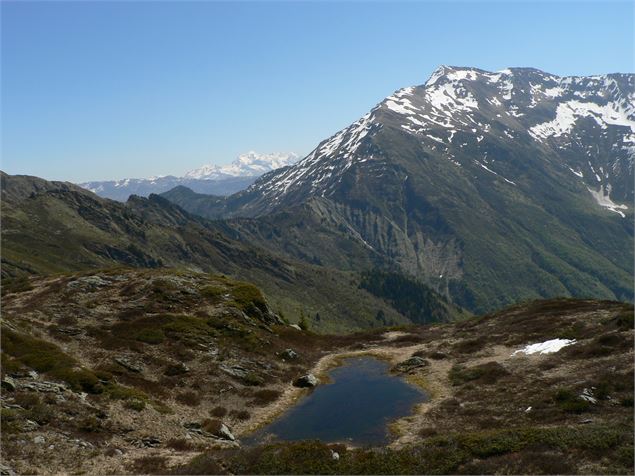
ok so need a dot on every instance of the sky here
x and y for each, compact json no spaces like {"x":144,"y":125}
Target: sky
{"x":109,"y":90}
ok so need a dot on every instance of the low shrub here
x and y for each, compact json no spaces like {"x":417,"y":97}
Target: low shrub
{"x":218,"y":411}
{"x":15,"y":285}
{"x":150,"y":336}
{"x":179,"y":444}
{"x":248,"y":298}
{"x":569,"y":401}
{"x":487,"y":373}
{"x":264,"y":397}
{"x":90,"y":424}
{"x":78,"y":379}
{"x":47,"y":358}
{"x":469,"y":346}
{"x":189,"y":398}
{"x":240,"y":414}
{"x":150,"y":465}
{"x":212,"y":292}
{"x":253,"y":379}
{"x":135,"y":404}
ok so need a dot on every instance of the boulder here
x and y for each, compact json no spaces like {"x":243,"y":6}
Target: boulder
{"x":8,"y":384}
{"x":30,"y":425}
{"x":150,"y":442}
{"x":289,"y":354}
{"x":224,"y":433}
{"x":128,"y":364}
{"x":295,"y":326}
{"x":306,"y":381}
{"x":6,"y":470}
{"x":411,"y":364}
{"x":234,"y":370}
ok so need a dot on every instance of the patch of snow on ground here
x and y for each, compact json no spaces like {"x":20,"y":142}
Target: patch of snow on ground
{"x":579,"y":174}
{"x":547,"y":347}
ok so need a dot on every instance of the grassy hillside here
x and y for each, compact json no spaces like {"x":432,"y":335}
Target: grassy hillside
{"x":136,"y":371}
{"x":55,"y":229}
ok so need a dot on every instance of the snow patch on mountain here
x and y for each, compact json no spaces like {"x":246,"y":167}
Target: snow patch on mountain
{"x":246,"y":165}
{"x":603,"y":199}
{"x":461,"y":112}
{"x":568,"y":113}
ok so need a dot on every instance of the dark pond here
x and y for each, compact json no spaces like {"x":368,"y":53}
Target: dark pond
{"x":354,"y":408}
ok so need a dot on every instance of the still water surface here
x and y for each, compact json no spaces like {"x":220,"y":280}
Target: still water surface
{"x":354,"y":408}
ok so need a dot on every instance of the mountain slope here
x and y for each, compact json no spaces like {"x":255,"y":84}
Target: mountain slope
{"x":210,"y":179}
{"x":492,"y":187}
{"x":52,"y":227}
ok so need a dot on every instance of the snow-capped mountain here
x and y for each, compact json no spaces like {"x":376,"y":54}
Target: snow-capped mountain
{"x":586,"y":125}
{"x":210,"y":179}
{"x":250,"y":164}
{"x":491,"y":186}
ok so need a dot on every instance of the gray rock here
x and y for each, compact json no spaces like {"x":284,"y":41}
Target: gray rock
{"x":234,"y":370}
{"x":8,"y":384}
{"x":6,"y":470}
{"x":295,"y":326}
{"x":177,"y":369}
{"x":88,"y":283}
{"x":587,"y":395}
{"x":128,"y":364}
{"x":44,"y":387}
{"x":150,"y":442}
{"x":335,"y":455}
{"x":307,"y":381}
{"x":289,"y":354}
{"x":39,"y":440}
{"x":224,"y":433}
{"x":411,"y":364}
{"x":71,"y":331}
{"x":30,"y":425}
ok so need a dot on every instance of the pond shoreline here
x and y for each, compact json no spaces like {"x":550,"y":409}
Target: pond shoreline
{"x":388,"y":353}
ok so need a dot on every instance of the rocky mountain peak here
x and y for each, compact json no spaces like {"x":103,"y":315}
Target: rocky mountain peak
{"x":460,"y":113}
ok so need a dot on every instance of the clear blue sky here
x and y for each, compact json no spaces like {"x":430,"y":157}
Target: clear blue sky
{"x":121,"y":89}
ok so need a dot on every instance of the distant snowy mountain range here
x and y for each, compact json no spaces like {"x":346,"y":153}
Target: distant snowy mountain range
{"x":210,"y":179}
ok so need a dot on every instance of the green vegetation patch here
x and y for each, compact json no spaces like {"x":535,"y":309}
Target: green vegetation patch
{"x":448,"y":454}
{"x":47,"y":358}
{"x":15,"y":285}
{"x":150,"y":336}
{"x":248,"y":298}
{"x":413,"y":299}
{"x":569,"y":401}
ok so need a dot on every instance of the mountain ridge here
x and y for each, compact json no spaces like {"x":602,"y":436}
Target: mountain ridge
{"x":468,"y":178}
{"x":57,"y":228}
{"x":211,"y":179}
